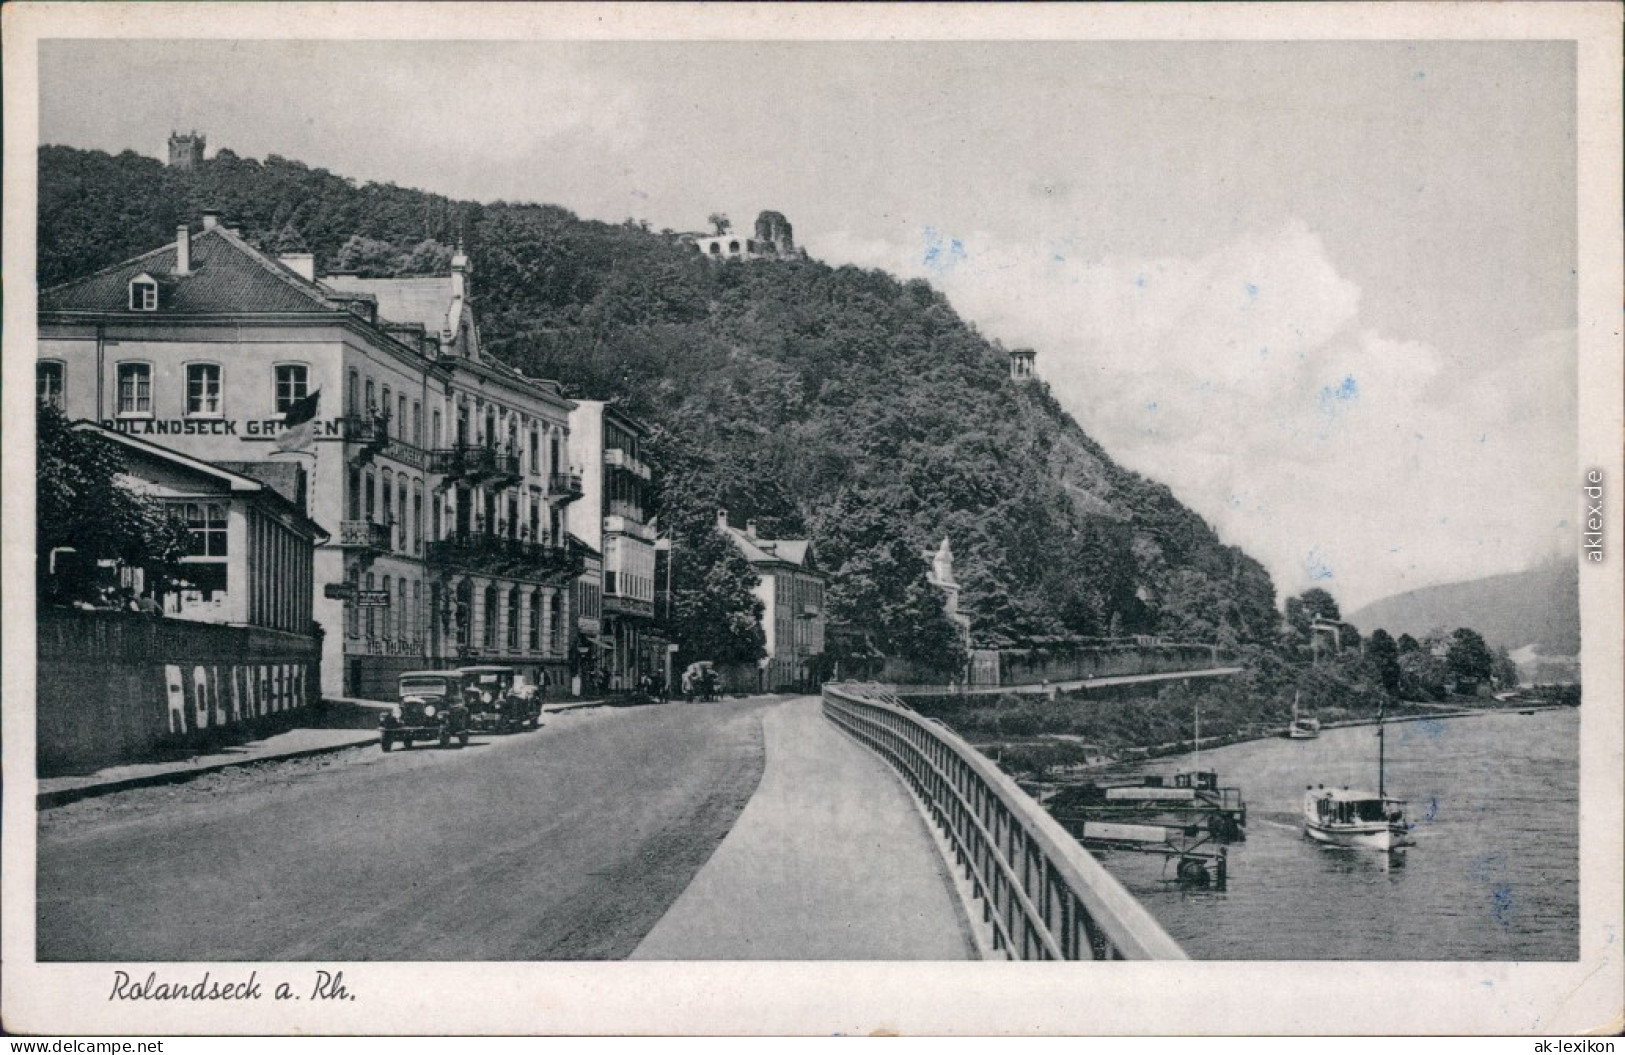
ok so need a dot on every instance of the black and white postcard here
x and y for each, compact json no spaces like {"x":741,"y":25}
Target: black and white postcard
{"x":553,"y":519}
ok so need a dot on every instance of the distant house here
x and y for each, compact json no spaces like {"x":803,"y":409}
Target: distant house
{"x":792,"y":595}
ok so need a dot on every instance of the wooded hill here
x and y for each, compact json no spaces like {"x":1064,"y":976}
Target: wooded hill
{"x":838,"y":404}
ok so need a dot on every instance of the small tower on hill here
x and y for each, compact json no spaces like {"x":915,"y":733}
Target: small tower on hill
{"x":185,"y":151}
{"x":1021,"y":364}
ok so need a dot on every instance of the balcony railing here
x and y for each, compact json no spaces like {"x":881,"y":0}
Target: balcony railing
{"x":365,"y":535}
{"x":615,"y":604}
{"x":476,"y":464}
{"x":566,"y":486}
{"x":616,"y":458}
{"x":501,"y":555}
{"x":1040,"y":894}
{"x":370,"y":430}
{"x":618,"y":524}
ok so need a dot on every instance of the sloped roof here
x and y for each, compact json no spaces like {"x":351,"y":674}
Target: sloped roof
{"x":767,"y":550}
{"x":286,"y":478}
{"x":421,"y":300}
{"x":227,"y":276}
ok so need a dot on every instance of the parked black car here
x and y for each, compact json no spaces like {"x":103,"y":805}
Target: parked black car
{"x":431,"y":707}
{"x":497,"y":700}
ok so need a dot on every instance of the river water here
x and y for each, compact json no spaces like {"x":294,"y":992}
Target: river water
{"x":1494,"y":874}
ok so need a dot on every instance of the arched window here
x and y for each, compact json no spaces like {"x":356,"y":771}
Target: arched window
{"x":513,"y":617}
{"x":556,"y":617}
{"x":354,"y":393}
{"x":367,"y":495}
{"x":372,"y":618}
{"x":400,"y":505}
{"x":386,"y":496}
{"x":403,"y":626}
{"x":353,"y":505}
{"x":716,"y":248}
{"x":387,"y":591}
{"x":489,"y":637}
{"x":733,"y":247}
{"x":536,"y":621}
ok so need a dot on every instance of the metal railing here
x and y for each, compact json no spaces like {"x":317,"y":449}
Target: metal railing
{"x":1041,"y":894}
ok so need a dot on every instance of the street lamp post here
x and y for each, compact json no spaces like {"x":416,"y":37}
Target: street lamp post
{"x":664,"y":545}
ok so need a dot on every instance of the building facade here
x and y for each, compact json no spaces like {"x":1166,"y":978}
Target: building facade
{"x":613,"y":518}
{"x":792,"y":594}
{"x":251,"y":561}
{"x":445,"y":472}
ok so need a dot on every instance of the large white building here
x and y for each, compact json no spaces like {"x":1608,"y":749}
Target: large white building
{"x":445,"y":472}
{"x":613,"y":518}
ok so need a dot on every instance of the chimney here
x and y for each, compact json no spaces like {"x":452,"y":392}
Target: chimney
{"x":211,"y":219}
{"x":722,"y":518}
{"x":183,"y":250}
{"x":750,"y":528}
{"x":301,"y":264}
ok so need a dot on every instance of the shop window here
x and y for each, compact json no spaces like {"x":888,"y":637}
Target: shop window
{"x":206,"y":521}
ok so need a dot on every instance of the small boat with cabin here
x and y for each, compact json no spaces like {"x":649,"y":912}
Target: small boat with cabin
{"x":1302,"y":727}
{"x":1363,"y":820}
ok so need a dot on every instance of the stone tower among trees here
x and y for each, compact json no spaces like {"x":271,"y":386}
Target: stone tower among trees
{"x":185,"y":150}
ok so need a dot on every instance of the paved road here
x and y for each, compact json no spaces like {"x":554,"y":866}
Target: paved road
{"x":567,"y":843}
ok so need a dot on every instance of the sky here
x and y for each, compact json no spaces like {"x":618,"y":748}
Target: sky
{"x":1324,"y":291}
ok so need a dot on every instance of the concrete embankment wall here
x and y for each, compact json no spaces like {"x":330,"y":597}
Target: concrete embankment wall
{"x":121,"y":687}
{"x":1076,"y":662}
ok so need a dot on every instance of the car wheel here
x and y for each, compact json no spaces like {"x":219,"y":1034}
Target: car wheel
{"x":462,"y":738}
{"x":386,"y":743}
{"x":406,"y":743}
{"x":445,"y":737}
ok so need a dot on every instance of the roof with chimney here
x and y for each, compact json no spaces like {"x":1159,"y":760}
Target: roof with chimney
{"x":764,"y":551}
{"x":225,"y":275}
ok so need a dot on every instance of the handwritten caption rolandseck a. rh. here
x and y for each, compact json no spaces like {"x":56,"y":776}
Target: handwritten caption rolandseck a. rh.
{"x":327,"y":985}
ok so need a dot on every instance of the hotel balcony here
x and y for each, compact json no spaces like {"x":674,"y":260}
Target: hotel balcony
{"x":616,"y":524}
{"x":476,"y":464}
{"x":615,"y":458}
{"x":615,"y":604}
{"x":370,"y":432}
{"x":365,"y":535}
{"x":564,"y":486}
{"x":502,"y":556}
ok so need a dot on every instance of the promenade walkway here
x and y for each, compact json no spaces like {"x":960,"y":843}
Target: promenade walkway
{"x":830,"y":860}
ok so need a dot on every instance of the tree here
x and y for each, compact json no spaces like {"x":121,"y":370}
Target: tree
{"x":1384,"y":655}
{"x":715,"y":613}
{"x":720,"y":221}
{"x":1422,"y":675}
{"x":1504,"y":670}
{"x":80,"y":506}
{"x":1469,"y":657}
{"x":1407,"y":643}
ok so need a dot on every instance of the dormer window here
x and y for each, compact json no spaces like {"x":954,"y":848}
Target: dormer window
{"x":143,"y":294}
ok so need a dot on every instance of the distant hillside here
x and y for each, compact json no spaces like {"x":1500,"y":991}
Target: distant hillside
{"x":837,"y":404}
{"x":1538,"y":607}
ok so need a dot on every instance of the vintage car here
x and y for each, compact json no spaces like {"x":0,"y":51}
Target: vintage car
{"x":431,"y":707}
{"x":498,"y":700}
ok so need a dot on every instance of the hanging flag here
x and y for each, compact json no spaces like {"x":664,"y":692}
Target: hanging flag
{"x":299,"y":424}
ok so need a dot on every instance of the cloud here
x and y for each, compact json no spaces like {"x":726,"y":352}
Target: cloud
{"x":1364,"y":462}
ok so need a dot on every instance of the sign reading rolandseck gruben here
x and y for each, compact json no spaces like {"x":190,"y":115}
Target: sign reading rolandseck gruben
{"x":248,"y":429}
